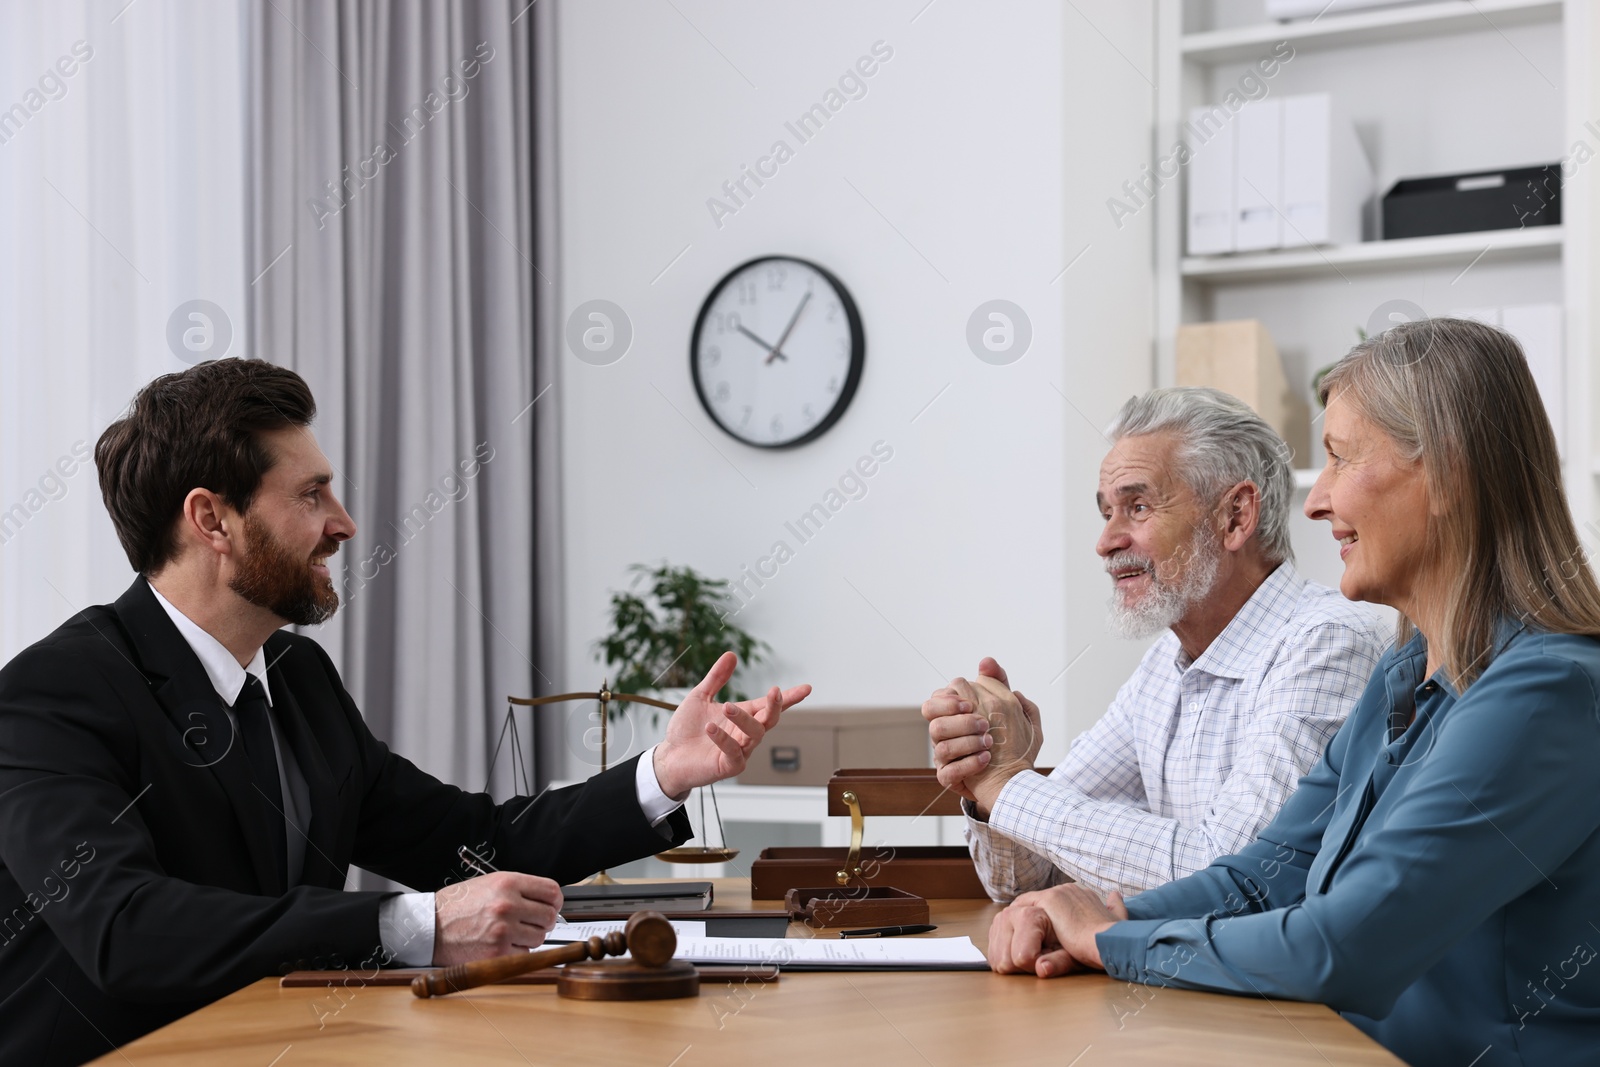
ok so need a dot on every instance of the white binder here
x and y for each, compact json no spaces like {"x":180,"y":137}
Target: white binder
{"x":1280,"y":173}
{"x":1327,"y":181}
{"x":1258,"y":194}
{"x":1211,"y":169}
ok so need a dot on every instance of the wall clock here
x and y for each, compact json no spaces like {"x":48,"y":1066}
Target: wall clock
{"x":777,"y":352}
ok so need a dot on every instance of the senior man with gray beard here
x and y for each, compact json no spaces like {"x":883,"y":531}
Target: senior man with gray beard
{"x":1255,"y":669}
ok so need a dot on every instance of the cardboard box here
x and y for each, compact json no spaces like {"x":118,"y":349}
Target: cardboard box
{"x":1239,"y":357}
{"x":811,"y":743}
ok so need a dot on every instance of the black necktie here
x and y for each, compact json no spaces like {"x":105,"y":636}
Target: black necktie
{"x":256,"y":731}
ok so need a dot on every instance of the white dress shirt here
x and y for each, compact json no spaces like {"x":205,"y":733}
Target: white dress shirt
{"x":1192,"y":759}
{"x":228,"y":678}
{"x":405,"y":921}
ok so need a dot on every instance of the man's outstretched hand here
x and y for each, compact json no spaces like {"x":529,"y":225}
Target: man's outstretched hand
{"x":707,"y":741}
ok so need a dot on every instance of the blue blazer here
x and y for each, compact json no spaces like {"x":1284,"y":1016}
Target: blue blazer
{"x":1437,"y":883}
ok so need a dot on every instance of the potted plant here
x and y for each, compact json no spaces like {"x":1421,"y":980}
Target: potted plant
{"x":665,"y":636}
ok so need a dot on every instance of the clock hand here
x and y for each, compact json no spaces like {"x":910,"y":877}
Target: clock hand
{"x":770,"y":348}
{"x":787,"y":330}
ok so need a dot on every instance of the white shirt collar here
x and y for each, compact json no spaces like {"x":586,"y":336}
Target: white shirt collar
{"x":227,"y":677}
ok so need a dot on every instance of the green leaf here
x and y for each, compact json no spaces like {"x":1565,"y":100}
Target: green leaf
{"x":669,"y":636}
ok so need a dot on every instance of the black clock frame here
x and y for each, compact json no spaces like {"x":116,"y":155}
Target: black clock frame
{"x":858,"y":353}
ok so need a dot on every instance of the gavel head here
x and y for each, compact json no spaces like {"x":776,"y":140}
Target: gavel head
{"x":650,"y":938}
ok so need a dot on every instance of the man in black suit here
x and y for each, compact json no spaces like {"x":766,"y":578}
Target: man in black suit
{"x":183,"y":785}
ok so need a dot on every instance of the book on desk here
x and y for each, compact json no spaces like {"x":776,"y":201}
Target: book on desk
{"x":631,"y":896}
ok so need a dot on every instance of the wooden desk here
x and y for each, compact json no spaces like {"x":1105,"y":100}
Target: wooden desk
{"x":881,"y":1019}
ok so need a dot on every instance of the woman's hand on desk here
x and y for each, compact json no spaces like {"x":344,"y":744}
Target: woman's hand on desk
{"x":1052,"y":931}
{"x":707,"y":741}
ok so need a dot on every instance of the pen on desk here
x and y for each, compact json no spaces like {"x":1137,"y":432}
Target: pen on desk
{"x":889,"y":931}
{"x":478,"y":865}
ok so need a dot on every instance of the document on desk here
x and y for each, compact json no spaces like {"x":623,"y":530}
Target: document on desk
{"x":855,"y":954}
{"x":583,"y":931}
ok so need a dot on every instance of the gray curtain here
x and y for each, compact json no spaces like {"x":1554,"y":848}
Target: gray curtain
{"x":393,"y":250}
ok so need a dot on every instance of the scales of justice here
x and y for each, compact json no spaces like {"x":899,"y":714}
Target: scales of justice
{"x":702,"y":853}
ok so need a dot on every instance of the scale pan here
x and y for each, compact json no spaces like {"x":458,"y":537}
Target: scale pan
{"x":697,"y":854}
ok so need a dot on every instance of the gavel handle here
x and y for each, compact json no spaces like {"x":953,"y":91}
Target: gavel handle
{"x":460,"y":976}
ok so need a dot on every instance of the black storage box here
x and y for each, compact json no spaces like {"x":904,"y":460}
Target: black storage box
{"x":1465,"y":203}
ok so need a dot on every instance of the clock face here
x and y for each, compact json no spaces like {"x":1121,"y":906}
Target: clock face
{"x":777,"y":352}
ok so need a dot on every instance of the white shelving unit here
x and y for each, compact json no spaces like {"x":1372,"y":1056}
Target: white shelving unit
{"x":1435,"y":88}
{"x":1367,"y":27}
{"x":1459,"y":250}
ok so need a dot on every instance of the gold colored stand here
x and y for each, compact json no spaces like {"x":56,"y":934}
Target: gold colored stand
{"x":703,"y":853}
{"x":605,"y":696}
{"x":852,"y":859}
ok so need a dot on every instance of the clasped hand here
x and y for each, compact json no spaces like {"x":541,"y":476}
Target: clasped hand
{"x":983,"y":733}
{"x":1052,"y":931}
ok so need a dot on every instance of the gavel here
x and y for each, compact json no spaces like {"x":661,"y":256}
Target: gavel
{"x":649,"y":937}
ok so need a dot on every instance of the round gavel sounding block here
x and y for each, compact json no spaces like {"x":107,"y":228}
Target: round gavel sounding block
{"x":652,"y":974}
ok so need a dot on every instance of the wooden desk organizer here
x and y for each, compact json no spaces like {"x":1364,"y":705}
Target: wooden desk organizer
{"x":825,"y":907}
{"x":928,"y":871}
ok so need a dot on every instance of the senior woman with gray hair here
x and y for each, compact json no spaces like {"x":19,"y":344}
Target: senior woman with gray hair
{"x":1436,"y":877}
{"x":1254,"y":670}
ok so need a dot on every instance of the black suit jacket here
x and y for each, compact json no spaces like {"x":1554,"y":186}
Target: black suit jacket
{"x":136,"y":881}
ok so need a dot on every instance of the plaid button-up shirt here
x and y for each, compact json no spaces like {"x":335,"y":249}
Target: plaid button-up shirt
{"x":1193,"y":758}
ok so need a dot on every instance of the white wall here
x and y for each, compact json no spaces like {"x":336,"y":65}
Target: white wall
{"x":984,"y":151}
